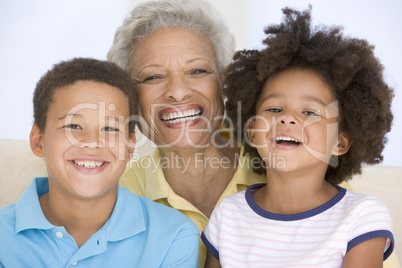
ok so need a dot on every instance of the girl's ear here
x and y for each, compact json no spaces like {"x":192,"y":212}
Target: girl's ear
{"x":36,"y":141}
{"x":251,"y":132}
{"x":343,"y":145}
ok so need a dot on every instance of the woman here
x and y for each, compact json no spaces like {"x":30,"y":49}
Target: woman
{"x":177,"y":51}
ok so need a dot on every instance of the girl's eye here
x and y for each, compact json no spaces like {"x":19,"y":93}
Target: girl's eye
{"x":311,"y":113}
{"x":274,"y":110}
{"x":72,"y":126}
{"x":110,"y":129}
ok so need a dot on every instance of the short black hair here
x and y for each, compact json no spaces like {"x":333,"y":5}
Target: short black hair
{"x":68,"y":72}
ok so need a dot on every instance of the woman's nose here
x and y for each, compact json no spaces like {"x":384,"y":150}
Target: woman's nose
{"x":177,"y":89}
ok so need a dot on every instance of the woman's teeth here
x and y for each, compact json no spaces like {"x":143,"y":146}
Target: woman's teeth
{"x":181,"y":116}
{"x":89,"y":164}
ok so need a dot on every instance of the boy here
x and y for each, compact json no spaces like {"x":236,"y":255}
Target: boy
{"x":79,"y":216}
{"x":316,"y":101}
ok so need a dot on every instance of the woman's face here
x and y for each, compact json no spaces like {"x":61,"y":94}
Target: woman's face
{"x":178,"y":86}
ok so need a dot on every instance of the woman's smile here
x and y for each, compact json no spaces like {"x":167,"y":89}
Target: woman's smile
{"x":181,"y":116}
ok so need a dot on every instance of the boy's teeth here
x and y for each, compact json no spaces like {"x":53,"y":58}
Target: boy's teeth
{"x":89,"y":164}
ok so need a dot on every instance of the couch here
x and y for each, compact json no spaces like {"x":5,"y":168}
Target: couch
{"x":18,"y":165}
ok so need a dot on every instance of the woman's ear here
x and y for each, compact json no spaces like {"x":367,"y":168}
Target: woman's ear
{"x":251,"y":132}
{"x":343,"y":144}
{"x":36,"y":141}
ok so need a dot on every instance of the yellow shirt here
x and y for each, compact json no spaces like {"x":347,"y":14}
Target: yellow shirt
{"x":145,"y":177}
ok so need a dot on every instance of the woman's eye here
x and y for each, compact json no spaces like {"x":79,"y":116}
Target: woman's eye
{"x":152,"y":78}
{"x":274,"y":110}
{"x":72,"y":126}
{"x":198,"y":71}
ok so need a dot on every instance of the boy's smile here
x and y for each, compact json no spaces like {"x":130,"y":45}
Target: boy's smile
{"x":89,"y":166}
{"x":85,"y":139}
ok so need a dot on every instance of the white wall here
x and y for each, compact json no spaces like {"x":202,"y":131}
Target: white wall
{"x":377,"y":21}
{"x":34,"y":35}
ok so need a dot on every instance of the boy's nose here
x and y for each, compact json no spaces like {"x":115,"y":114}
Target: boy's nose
{"x":91,"y":140}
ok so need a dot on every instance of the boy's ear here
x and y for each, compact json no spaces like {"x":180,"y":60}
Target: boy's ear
{"x":251,"y":132}
{"x":343,"y":144}
{"x":36,"y":141}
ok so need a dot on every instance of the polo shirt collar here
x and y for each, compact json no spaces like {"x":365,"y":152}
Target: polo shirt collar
{"x":127,"y":218}
{"x":158,"y":188}
{"x":28,"y":212}
{"x":245,"y":174}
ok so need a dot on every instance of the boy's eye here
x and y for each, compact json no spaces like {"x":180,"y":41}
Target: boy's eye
{"x":110,"y":129}
{"x":72,"y":126}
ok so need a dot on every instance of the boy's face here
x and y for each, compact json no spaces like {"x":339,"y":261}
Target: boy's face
{"x":85,"y":143}
{"x":296,"y":122}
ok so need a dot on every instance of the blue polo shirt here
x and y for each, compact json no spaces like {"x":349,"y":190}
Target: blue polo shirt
{"x":139,"y":233}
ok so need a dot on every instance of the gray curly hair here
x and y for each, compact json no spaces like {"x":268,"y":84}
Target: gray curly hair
{"x":150,"y":16}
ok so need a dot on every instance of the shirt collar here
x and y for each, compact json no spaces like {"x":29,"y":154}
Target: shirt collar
{"x":127,"y":218}
{"x":158,"y":188}
{"x":245,"y":174}
{"x":28,"y":212}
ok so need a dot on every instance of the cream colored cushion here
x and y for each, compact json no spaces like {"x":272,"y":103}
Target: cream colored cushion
{"x":18,"y":165}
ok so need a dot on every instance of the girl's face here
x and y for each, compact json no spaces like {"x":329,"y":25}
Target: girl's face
{"x":178,"y":85}
{"x":296,"y":121}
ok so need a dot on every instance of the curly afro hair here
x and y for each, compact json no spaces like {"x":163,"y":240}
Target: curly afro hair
{"x":347,"y":65}
{"x":68,"y":72}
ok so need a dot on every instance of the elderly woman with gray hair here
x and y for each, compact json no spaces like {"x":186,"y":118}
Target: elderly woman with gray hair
{"x":177,"y":51}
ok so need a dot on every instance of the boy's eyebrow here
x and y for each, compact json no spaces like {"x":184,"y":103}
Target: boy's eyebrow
{"x":69,"y":116}
{"x":119,"y":118}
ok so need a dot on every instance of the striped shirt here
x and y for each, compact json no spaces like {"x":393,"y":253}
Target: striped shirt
{"x":241,"y":234}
